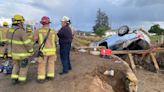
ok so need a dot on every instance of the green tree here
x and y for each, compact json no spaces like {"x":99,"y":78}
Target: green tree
{"x":100,"y":31}
{"x":102,"y":23}
{"x":156,"y":29}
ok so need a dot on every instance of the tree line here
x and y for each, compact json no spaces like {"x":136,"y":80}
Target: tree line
{"x":102,"y":25}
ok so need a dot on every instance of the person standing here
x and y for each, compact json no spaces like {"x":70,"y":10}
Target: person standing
{"x":29,"y":31}
{"x":21,"y":49}
{"x":65,"y":39}
{"x":3,"y":40}
{"x":46,"y":63}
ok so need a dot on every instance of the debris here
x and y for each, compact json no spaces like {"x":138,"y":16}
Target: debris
{"x":95,"y":53}
{"x":82,"y":50}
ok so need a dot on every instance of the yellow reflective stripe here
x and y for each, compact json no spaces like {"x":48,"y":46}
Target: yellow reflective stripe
{"x":22,"y":78}
{"x":14,"y":76}
{"x":41,"y":77}
{"x":49,"y":53}
{"x":20,"y":42}
{"x":51,"y":75}
{"x":49,"y":50}
{"x":40,"y":38}
{"x":31,"y":50}
{"x":20,"y":54}
{"x":17,"y":58}
{"x":27,"y":41}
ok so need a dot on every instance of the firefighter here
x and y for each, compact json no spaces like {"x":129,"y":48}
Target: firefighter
{"x":21,"y":49}
{"x":4,"y":54}
{"x":3,"y":40}
{"x":47,"y":61}
{"x":29,"y":31}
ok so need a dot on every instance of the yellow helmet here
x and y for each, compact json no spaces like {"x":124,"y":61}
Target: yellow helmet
{"x":5,"y":23}
{"x":29,"y":30}
{"x":17,"y":18}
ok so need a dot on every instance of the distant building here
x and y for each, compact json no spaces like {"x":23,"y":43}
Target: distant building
{"x":83,"y":33}
{"x":152,"y":34}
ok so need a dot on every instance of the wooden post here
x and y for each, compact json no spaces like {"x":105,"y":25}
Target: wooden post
{"x":154,"y":61}
{"x":132,"y":62}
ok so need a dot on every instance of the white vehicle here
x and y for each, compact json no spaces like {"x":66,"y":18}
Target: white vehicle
{"x":126,"y":40}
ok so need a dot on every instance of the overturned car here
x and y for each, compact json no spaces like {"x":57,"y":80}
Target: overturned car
{"x":126,"y":39}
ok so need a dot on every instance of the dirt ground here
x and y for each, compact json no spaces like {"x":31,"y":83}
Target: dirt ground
{"x":80,"y":78}
{"x":149,"y":81}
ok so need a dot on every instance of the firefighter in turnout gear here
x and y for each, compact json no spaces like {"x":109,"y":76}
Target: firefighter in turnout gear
{"x":3,"y":40}
{"x":48,"y":50}
{"x":29,"y":31}
{"x":21,"y":49}
{"x":5,"y":55}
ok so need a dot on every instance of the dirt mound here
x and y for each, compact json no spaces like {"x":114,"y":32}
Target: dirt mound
{"x":123,"y":80}
{"x":86,"y":76}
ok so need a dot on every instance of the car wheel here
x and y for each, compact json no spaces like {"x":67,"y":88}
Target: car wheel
{"x":144,"y":45}
{"x":123,"y":30}
{"x":138,"y":45}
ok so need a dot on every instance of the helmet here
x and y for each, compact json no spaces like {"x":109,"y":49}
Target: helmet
{"x":5,"y":23}
{"x":18,"y":18}
{"x":66,"y":19}
{"x":45,"y":20}
{"x":28,"y":28}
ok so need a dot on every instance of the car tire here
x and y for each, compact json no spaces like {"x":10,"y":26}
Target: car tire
{"x":121,"y":32}
{"x":143,"y":44}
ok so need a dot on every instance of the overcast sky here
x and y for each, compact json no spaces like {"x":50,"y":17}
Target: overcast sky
{"x":135,"y":13}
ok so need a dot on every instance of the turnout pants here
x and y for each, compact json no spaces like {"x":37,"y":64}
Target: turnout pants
{"x":19,"y":72}
{"x":46,"y":67}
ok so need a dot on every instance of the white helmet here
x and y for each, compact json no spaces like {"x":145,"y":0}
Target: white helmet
{"x":65,"y":18}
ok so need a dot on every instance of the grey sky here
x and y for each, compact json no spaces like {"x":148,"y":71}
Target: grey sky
{"x":135,"y":13}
